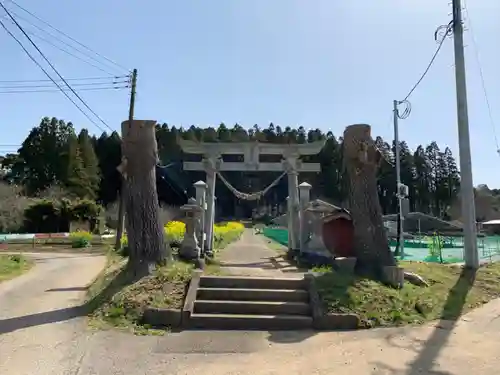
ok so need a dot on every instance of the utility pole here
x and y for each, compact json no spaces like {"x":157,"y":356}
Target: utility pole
{"x":121,"y":207}
{"x":466,"y":185}
{"x":400,"y":221}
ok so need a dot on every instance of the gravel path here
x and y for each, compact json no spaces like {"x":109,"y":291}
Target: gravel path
{"x":250,"y":256}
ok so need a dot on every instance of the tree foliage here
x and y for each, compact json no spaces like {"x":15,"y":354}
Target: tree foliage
{"x":52,"y":154}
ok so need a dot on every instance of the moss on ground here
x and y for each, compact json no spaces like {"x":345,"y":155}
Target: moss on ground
{"x":13,"y":265}
{"x":452,"y":292}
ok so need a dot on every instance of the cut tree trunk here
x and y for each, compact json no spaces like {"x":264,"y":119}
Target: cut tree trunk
{"x":146,"y":239}
{"x":361,"y":161}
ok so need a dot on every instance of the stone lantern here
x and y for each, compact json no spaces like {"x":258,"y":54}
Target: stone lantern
{"x":316,"y":244}
{"x":190,"y":248}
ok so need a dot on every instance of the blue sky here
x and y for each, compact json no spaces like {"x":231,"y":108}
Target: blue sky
{"x":325,"y":64}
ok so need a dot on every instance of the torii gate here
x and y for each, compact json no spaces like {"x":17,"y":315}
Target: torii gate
{"x":291,"y":164}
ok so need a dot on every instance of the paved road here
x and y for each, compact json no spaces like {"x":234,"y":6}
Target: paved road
{"x":40,"y":334}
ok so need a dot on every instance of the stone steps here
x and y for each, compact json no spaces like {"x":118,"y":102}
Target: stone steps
{"x":249,"y":294}
{"x":232,"y":302}
{"x":251,"y":307}
{"x":252,"y":282}
{"x":250,"y":322}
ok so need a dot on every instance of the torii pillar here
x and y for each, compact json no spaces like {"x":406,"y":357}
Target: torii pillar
{"x":291,"y":163}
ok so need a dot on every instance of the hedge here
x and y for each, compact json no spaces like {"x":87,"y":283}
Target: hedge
{"x":55,"y":216}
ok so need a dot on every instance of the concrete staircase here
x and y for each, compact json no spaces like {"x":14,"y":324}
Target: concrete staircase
{"x":235,"y":302}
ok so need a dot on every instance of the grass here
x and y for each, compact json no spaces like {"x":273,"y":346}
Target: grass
{"x":452,"y":292}
{"x":122,"y":304}
{"x":13,"y":265}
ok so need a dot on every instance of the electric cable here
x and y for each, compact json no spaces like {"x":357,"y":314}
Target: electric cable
{"x":483,"y":83}
{"x":67,"y":36}
{"x":95,"y":84}
{"x":448,"y":29}
{"x":63,"y":49}
{"x":47,"y":74}
{"x":67,"y":79}
{"x":51,"y":65}
{"x":64,"y":89}
{"x":441,"y":42}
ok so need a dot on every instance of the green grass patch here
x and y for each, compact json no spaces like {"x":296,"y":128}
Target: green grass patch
{"x":452,"y":292}
{"x":115,"y":303}
{"x":13,"y":265}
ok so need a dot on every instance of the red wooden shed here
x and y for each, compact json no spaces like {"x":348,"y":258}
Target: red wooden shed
{"x":338,"y":233}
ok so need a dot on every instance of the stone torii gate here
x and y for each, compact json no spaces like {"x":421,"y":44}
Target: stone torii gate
{"x":212,"y":164}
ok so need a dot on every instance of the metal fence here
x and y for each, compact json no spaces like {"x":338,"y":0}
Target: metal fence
{"x":433,"y":249}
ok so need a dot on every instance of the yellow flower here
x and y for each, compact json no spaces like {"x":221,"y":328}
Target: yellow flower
{"x":174,"y":231}
{"x":223,"y":233}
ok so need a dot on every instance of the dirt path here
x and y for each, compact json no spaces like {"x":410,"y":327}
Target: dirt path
{"x":469,"y":347}
{"x":250,"y":256}
{"x":39,"y":334}
{"x":39,"y":329}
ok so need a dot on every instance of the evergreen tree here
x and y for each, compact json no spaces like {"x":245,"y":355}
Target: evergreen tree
{"x":49,"y":156}
{"x":77,"y":181}
{"x":41,"y":160}
{"x":89,"y":161}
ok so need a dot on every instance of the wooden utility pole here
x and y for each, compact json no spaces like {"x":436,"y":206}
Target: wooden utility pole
{"x":146,"y":239}
{"x":121,"y":207}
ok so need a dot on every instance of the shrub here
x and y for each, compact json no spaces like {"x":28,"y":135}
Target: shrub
{"x":55,"y":192}
{"x":435,"y":246}
{"x":12,"y":207}
{"x":174,"y":231}
{"x":55,"y":215}
{"x":224,"y":234}
{"x":16,"y":258}
{"x":80,"y":239}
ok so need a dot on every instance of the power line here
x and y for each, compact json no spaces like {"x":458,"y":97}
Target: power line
{"x":54,"y":90}
{"x":476,"y":53}
{"x":51,"y":65}
{"x":95,"y":84}
{"x":448,"y":29}
{"x":67,"y":36}
{"x":47,"y":74}
{"x":63,"y":49}
{"x":67,"y":79}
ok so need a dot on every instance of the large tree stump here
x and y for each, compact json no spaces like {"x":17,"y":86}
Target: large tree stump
{"x":146,"y":239}
{"x":361,"y":161}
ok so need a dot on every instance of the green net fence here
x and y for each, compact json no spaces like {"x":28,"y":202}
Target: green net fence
{"x":278,"y":235}
{"x":434,"y":249}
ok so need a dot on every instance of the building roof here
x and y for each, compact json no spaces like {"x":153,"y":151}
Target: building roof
{"x":492,"y":222}
{"x":327,"y":207}
{"x":415,"y":222}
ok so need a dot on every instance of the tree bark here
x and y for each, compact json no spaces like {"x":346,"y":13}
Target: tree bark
{"x":361,"y":161}
{"x":146,"y":239}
